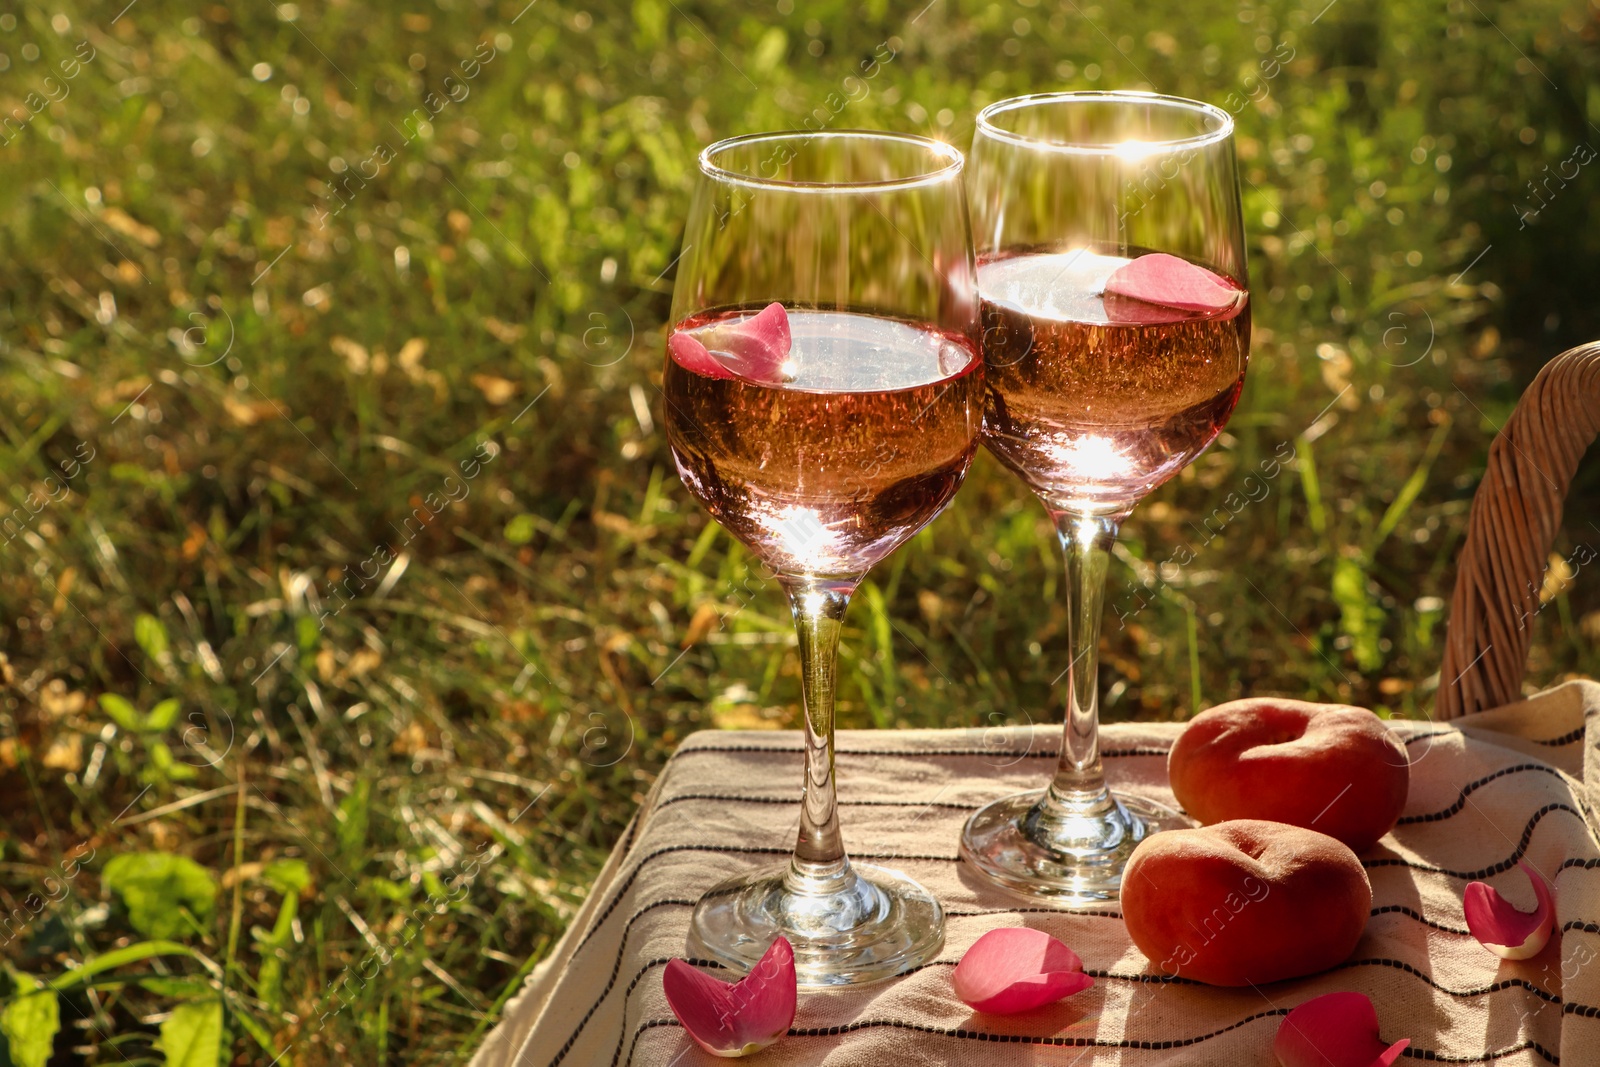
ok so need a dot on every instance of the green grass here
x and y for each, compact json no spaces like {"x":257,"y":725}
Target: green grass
{"x":358,"y":457}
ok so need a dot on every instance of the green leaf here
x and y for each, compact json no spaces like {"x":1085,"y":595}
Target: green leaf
{"x":30,"y":1022}
{"x":353,"y":818}
{"x":158,"y":888}
{"x":769,"y":50}
{"x":110,"y":961}
{"x":1409,"y":492}
{"x":269,"y":983}
{"x":259,"y":1033}
{"x":122,"y":713}
{"x":192,"y":1037}
{"x":520,"y":530}
{"x":308,"y":633}
{"x":176,"y":988}
{"x":1193,"y":633}
{"x":388,"y":890}
{"x":649,"y":22}
{"x":151,"y":633}
{"x":287,"y":876}
{"x":163,"y":767}
{"x":879,"y":692}
{"x":432,"y":886}
{"x":162,"y":715}
{"x":133,"y":472}
{"x":1309,"y":482}
{"x":1359,"y":618}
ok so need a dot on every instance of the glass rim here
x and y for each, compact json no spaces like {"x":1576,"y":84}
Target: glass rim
{"x":987,"y":126}
{"x":952,"y":161}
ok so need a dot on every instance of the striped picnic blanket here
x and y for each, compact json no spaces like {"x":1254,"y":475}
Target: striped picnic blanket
{"x":1486,"y":791}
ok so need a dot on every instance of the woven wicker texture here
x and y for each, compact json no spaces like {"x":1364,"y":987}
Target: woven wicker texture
{"x":1515,"y":515}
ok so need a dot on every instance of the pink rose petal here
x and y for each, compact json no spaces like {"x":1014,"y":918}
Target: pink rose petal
{"x":1012,"y":970}
{"x":1500,"y":927}
{"x":1158,"y":278}
{"x":732,"y":1019}
{"x":692,"y":355}
{"x":762,"y":341}
{"x":1126,"y":311}
{"x":1336,"y":1030}
{"x":753,"y":348}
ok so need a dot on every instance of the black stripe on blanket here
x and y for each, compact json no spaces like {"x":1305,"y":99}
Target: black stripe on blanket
{"x":1370,"y":864}
{"x":1142,"y":979}
{"x":1083,"y":1042}
{"x":1494,"y":868}
{"x":1473,"y":786}
{"x":1564,"y":739}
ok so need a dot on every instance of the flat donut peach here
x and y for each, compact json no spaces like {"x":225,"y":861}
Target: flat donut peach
{"x":1328,"y":767}
{"x":1244,"y":902}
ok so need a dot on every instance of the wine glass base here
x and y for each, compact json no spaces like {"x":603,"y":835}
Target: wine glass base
{"x":1073,"y":863}
{"x":878,"y":923}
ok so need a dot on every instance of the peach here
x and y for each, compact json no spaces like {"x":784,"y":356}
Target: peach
{"x":1328,"y":767}
{"x":1244,"y":902}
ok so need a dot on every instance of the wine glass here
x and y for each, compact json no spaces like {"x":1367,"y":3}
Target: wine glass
{"x":824,"y":394}
{"x":1104,"y":380}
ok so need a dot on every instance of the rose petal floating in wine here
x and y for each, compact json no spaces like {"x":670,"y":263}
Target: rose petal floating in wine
{"x":1336,"y":1030}
{"x":1126,"y":311}
{"x":1158,"y":278}
{"x":1501,"y":928}
{"x":732,"y":1019}
{"x":1012,"y":970}
{"x":762,"y":341}
{"x":753,"y":348}
{"x":692,"y":355}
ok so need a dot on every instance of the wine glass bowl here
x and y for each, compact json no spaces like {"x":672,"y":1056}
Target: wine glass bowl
{"x":1091,"y":404}
{"x":824,"y":398}
{"x":1099,"y":389}
{"x":831,"y":470}
{"x":1119,"y":169}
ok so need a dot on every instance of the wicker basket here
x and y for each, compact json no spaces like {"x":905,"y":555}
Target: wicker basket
{"x":1515,"y":515}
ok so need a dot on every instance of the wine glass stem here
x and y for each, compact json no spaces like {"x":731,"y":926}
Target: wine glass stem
{"x":1079,"y":785}
{"x":819,"y":865}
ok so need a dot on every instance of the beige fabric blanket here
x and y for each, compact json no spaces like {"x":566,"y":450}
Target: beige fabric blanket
{"x":1517,"y":782}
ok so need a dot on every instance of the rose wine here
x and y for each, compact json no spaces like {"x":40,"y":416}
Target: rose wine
{"x":1094,"y":398}
{"x":863,"y":441}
